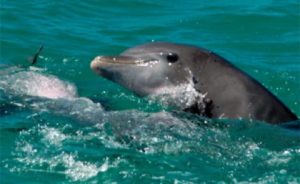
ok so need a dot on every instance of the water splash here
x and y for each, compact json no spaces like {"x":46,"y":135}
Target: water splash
{"x":181,"y":96}
{"x":34,"y":83}
{"x":46,"y":93}
{"x":127,"y":141}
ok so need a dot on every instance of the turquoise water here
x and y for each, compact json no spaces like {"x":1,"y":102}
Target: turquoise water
{"x":94,"y":131}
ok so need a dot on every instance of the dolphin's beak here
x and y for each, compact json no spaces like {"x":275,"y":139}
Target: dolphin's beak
{"x":105,"y":61}
{"x":94,"y":64}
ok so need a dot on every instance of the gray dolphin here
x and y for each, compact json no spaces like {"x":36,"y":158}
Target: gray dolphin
{"x":226,"y":91}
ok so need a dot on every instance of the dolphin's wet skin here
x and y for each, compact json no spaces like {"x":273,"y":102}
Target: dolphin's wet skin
{"x":223,"y":90}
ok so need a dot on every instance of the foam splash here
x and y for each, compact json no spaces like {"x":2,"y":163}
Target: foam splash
{"x":46,"y":93}
{"x":126,"y":138}
{"x":49,"y":154}
{"x":180,"y":96}
{"x":78,"y":170}
{"x":34,"y":83}
{"x":53,"y":136}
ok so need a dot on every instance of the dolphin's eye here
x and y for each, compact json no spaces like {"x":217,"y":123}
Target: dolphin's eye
{"x":172,"y":58}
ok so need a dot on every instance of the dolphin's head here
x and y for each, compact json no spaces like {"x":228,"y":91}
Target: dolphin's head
{"x":148,"y":68}
{"x":197,"y":80}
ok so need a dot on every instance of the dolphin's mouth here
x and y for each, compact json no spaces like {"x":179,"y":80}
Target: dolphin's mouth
{"x":102,"y":61}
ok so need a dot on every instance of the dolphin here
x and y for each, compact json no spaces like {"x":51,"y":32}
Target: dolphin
{"x":224,"y":91}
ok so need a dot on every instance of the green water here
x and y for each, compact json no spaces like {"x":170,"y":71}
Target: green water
{"x":101,"y":133}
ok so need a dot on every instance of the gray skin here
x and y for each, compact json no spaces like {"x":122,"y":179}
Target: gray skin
{"x":230,"y":93}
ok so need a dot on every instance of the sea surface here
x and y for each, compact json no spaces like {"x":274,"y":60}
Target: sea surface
{"x":61,"y":123}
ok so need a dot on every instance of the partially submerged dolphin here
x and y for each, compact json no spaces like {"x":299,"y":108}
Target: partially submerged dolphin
{"x":226,"y":90}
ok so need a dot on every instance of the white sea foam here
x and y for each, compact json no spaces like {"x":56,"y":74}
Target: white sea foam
{"x":79,"y":170}
{"x":34,"y":83}
{"x":53,"y":135}
{"x":183,"y":95}
{"x":35,"y":157}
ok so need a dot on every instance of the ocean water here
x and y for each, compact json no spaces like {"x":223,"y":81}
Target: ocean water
{"x":61,"y":123}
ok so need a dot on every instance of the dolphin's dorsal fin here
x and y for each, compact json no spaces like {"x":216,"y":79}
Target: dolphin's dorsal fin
{"x":34,"y":58}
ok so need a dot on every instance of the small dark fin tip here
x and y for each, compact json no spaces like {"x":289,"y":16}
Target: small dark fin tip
{"x":36,"y":55}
